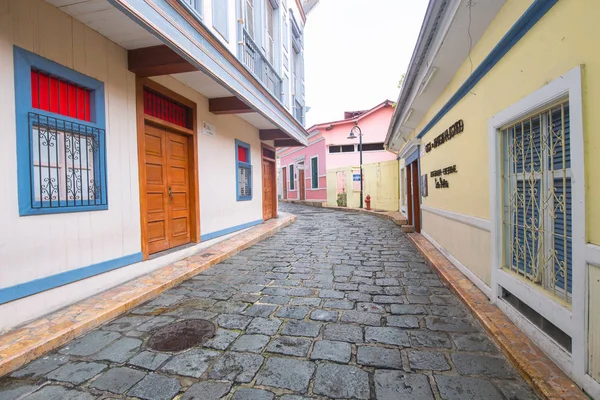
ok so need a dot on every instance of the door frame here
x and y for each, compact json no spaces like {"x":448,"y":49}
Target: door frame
{"x":273,"y":162}
{"x":191,"y":134}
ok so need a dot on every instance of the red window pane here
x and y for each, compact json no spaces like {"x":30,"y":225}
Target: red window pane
{"x":162,"y":107}
{"x":52,"y":94}
{"x":242,"y":154}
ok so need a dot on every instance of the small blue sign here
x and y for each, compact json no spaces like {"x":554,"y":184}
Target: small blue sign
{"x":356,"y":177}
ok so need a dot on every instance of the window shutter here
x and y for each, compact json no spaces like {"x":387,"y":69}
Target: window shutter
{"x":219,"y":13}
{"x":314,"y":171}
{"x":249,"y":20}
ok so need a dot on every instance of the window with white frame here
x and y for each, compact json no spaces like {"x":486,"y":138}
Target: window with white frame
{"x":537,"y":200}
{"x":270,"y":32}
{"x":249,"y":17}
{"x":314,"y":173}
{"x":220,"y":17}
{"x":60,"y":137}
{"x":195,"y":5}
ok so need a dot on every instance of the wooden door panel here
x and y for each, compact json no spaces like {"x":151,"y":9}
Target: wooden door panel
{"x":301,"y":183}
{"x":156,"y":194}
{"x":178,"y":182}
{"x":268,"y":191}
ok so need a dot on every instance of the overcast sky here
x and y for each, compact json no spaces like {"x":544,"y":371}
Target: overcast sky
{"x":355,"y":52}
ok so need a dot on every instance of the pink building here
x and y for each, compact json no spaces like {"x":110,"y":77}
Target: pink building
{"x":304,"y":169}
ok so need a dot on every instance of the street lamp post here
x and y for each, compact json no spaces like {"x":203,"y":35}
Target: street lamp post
{"x":355,"y":131}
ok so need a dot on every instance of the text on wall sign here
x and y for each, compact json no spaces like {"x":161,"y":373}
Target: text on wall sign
{"x":448,"y":134}
{"x":441,"y":183}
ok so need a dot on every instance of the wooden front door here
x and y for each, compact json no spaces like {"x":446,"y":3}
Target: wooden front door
{"x":167,"y":189}
{"x":301,"y":184}
{"x":268,"y":174}
{"x":285,"y":187}
{"x":416,"y":197}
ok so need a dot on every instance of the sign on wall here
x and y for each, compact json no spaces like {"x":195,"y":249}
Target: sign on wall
{"x":448,"y":134}
{"x":356,"y":181}
{"x":208,"y":129}
{"x":438,"y":176}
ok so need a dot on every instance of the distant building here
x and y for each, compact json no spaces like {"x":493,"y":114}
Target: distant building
{"x":304,"y":169}
{"x":496,"y":129}
{"x":133,"y":130}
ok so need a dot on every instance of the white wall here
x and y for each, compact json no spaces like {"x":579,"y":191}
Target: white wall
{"x":33,"y":247}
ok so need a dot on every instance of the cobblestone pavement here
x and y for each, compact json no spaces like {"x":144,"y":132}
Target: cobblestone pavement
{"x":338,"y":305}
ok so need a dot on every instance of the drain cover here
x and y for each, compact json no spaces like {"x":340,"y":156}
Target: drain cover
{"x":181,"y":335}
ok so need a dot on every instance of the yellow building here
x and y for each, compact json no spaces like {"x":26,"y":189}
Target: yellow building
{"x":498,"y":141}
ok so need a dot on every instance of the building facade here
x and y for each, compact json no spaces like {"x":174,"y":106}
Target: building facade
{"x":136,"y":132}
{"x":497,"y":145}
{"x":304,"y":171}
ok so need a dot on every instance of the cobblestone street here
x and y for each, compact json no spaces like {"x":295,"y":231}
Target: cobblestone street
{"x":339,"y":305}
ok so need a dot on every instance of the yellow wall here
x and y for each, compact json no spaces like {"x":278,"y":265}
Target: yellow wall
{"x":381,"y":183}
{"x":564,"y":38}
{"x":594,"y":322}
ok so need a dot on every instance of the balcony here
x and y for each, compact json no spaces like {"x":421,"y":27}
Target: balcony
{"x":258,"y":64}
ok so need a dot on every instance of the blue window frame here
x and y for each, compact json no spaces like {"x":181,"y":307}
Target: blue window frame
{"x":243,"y":168}
{"x":196,"y":6}
{"x":61,"y":161}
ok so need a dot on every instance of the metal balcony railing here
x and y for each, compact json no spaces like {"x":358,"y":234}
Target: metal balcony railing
{"x":258,"y":64}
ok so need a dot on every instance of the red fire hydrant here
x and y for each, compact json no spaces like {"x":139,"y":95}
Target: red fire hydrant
{"x":368,"y":201}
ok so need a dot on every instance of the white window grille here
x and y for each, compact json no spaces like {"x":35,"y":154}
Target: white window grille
{"x":270,"y":25}
{"x":537,"y":200}
{"x":249,"y":20}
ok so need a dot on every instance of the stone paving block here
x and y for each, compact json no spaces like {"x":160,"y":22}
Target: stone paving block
{"x":275,"y":299}
{"x":332,"y":351}
{"x":428,"y":360}
{"x":476,"y":364}
{"x":445,"y":300}
{"x":393,"y":291}
{"x":233,"y":321}
{"x":118,"y":380}
{"x":15,"y":390}
{"x":371,"y":307}
{"x":40,"y":367}
{"x":418,"y":290}
{"x":126,"y":323}
{"x":58,"y":393}
{"x":430,"y":339}
{"x":387,"y":282}
{"x":260,"y":310}
{"x":305,"y":301}
{"x":331,"y":294}
{"x":292,"y":312}
{"x":339,"y":304}
{"x":286,"y":373}
{"x":343,"y":333}
{"x":395,"y":385}
{"x":156,"y":387}
{"x":414,"y":299}
{"x":402,"y":321}
{"x":119,"y":351}
{"x":474,"y":342}
{"x":252,"y":394}
{"x":264,"y":326}
{"x":301,"y":328}
{"x":450,"y":324}
{"x":370,"y":289}
{"x":408,"y":309}
{"x":387,"y":335}
{"x":192,"y":363}
{"x":324,"y":315}
{"x":516,"y":390}
{"x":237,"y":367}
{"x":90,"y":343}
{"x":346,"y":286}
{"x":388,"y":299}
{"x":290,"y":346}
{"x":349,"y":382}
{"x":228,"y":307}
{"x":76,"y":373}
{"x":358,"y":296}
{"x":250,"y":343}
{"x":222,"y":339}
{"x":165,"y":300}
{"x":246,"y":297}
{"x":360,"y":317}
{"x":379,"y":357}
{"x":447,"y":311}
{"x":154,"y":323}
{"x":149,"y":360}
{"x":207,"y":390}
{"x":465,"y":388}
{"x":301,"y":292}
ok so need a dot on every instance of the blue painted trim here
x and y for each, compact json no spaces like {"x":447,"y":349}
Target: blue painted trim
{"x":238,"y":163}
{"x":64,"y":278}
{"x":412,"y":157}
{"x":24,"y":61}
{"x":529,"y":18}
{"x":225,"y":34}
{"x":227,"y":231}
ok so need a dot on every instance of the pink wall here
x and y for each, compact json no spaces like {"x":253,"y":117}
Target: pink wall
{"x":374,"y":128}
{"x":292,"y":155}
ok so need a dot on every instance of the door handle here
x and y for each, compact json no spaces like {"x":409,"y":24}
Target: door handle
{"x":170,"y":195}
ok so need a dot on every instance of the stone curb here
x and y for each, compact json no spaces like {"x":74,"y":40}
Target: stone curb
{"x":395,"y":217}
{"x":548,"y":381}
{"x":30,"y":341}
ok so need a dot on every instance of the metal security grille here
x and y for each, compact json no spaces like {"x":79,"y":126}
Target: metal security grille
{"x":537,"y":200}
{"x":244,"y":177}
{"x":67,"y":166}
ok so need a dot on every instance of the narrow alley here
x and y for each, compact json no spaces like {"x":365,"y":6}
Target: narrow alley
{"x":338,"y":305}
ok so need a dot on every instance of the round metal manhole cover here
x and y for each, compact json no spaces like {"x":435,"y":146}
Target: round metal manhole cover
{"x":181,"y":335}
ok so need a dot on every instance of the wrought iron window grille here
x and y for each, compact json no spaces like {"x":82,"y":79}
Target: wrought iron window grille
{"x":67,"y":165}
